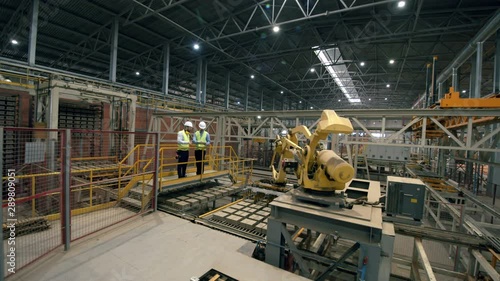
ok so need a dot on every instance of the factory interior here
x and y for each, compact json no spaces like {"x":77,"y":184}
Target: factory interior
{"x":191,"y":140}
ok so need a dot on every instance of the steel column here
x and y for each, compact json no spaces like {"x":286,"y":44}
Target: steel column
{"x":479,"y":70}
{"x":454,"y":79}
{"x":204,"y":83}
{"x":166,"y":67}
{"x":114,"y":50}
{"x":262,"y":100}
{"x":496,"y":75}
{"x":228,"y":87}
{"x":66,"y":190}
{"x":433,"y":83}
{"x":246,"y":96}
{"x":33,"y":33}
{"x":274,"y":102}
{"x":199,"y":79}
{"x":472,"y":84}
{"x":156,"y":182}
{"x":427,"y":92}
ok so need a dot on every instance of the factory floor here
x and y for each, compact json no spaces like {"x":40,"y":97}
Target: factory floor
{"x":153,"y":248}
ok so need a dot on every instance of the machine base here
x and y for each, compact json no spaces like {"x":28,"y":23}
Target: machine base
{"x":330,"y":200}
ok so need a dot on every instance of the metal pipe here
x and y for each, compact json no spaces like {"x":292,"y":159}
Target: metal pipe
{"x":479,"y":69}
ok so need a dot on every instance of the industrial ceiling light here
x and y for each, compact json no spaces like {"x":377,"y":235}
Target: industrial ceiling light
{"x":369,"y":99}
{"x":300,"y":101}
{"x":385,"y":98}
{"x":238,"y":103}
{"x":388,"y":85}
{"x":339,"y":100}
{"x":311,"y":107}
{"x":281,"y":92}
{"x":252,"y":76}
{"x":401,"y":4}
{"x":14,"y":42}
{"x":464,"y":91}
{"x":196,"y":46}
{"x":312,"y":70}
{"x":137,"y":73}
{"x":391,"y":61}
{"x":362,"y":63}
{"x":258,"y":117}
{"x":276,"y":29}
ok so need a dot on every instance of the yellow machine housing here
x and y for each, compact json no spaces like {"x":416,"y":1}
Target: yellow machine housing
{"x":453,"y":100}
{"x":317,"y":170}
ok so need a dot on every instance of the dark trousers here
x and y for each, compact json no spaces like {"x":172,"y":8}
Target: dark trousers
{"x":200,"y":156}
{"x":183,"y":156}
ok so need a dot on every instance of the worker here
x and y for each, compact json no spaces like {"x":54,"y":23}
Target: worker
{"x":201,"y":140}
{"x":183,"y":142}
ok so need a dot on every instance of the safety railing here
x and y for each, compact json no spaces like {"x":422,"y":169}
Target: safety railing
{"x":14,"y":79}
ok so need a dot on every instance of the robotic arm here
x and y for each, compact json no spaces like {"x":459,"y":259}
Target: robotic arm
{"x":317,"y":170}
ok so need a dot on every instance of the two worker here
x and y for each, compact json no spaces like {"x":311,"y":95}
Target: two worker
{"x":201,"y":140}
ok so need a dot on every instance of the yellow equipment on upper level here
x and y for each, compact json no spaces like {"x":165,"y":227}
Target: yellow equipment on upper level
{"x":453,"y":100}
{"x":321,"y":170}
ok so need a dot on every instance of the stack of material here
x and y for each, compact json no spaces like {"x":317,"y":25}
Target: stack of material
{"x":25,"y":226}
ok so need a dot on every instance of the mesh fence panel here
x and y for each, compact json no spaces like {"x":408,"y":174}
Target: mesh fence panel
{"x":31,"y":194}
{"x":111,"y":179}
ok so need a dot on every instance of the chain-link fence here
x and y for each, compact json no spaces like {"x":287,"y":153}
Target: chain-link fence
{"x":31,"y":188}
{"x":109,"y":181}
{"x":60,"y":185}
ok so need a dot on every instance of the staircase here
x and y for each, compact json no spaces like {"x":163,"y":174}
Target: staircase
{"x":138,"y":195}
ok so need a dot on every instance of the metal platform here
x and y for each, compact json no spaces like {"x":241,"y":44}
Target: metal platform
{"x":362,"y":224}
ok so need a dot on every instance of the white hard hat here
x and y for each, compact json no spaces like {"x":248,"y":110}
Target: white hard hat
{"x":188,"y":124}
{"x":202,"y":125}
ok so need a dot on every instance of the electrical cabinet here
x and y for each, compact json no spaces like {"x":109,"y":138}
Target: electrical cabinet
{"x":405,"y":197}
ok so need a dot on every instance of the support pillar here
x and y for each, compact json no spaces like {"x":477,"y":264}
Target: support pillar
{"x":246,"y":96}
{"x":228,"y":87}
{"x":131,"y":137}
{"x":454,"y":79}
{"x":114,"y":50}
{"x":262,"y":100}
{"x":201,"y":82}
{"x":33,"y":33}
{"x":427,"y":85}
{"x":166,"y":67}
{"x":274,"y":103}
{"x":479,"y":69}
{"x":473,"y":66}
{"x":496,"y":72}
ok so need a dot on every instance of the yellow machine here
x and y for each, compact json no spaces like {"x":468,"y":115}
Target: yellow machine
{"x":453,"y":100}
{"x":316,"y":169}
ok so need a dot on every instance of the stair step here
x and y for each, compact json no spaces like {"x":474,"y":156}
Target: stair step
{"x":132,"y":202}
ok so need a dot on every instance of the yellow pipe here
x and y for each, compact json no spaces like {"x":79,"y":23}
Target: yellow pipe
{"x":297,"y":234}
{"x":223,"y":207}
{"x":81,"y":211}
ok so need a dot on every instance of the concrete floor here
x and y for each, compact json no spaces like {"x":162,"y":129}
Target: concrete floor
{"x":153,"y":248}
